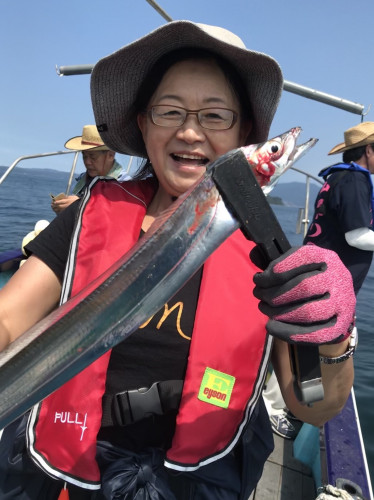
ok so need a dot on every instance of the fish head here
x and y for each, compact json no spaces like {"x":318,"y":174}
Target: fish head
{"x":270,"y":159}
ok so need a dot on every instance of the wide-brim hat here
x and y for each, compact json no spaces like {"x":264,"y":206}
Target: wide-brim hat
{"x":116,"y":79}
{"x":90,"y":139}
{"x":354,"y":137}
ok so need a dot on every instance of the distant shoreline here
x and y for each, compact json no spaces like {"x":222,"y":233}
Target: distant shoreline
{"x":35,"y":169}
{"x":284,"y":193}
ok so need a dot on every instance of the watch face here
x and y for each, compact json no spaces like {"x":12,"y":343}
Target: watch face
{"x":354,"y":337}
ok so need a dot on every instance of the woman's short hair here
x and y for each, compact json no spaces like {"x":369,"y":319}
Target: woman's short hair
{"x":155,"y":75}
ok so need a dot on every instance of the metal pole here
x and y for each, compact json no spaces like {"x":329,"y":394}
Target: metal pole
{"x":306,"y":213}
{"x":316,"y":95}
{"x":303,"y":217}
{"x":295,"y":88}
{"x":9,"y":169}
{"x":129,"y":164}
{"x":317,"y":179}
{"x":72,"y":173}
{"x":159,"y":10}
{"x":80,"y":69}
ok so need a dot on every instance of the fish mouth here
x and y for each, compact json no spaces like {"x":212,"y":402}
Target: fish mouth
{"x":301,"y":149}
{"x":190,"y":159}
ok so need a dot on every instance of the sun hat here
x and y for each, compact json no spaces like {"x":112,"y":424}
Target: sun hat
{"x":116,"y":79}
{"x":90,"y":139}
{"x":354,"y":137}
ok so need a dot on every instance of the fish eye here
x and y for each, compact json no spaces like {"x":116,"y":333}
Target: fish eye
{"x":275,"y":148}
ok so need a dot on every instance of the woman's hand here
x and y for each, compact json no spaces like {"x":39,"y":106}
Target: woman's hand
{"x":308,"y":295}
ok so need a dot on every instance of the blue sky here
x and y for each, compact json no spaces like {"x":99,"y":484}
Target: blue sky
{"x":325,"y":45}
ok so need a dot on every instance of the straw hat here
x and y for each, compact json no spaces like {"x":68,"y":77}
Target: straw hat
{"x":116,"y":79}
{"x":354,"y":137}
{"x":90,"y":139}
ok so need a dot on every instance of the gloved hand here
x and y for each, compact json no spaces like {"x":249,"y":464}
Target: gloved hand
{"x":308,"y":295}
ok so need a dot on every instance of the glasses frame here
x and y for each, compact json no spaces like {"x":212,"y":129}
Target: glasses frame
{"x":196,"y":112}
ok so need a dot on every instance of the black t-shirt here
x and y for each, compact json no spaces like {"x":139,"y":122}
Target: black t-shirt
{"x":52,"y":244}
{"x":157,"y":351}
{"x":343,"y":207}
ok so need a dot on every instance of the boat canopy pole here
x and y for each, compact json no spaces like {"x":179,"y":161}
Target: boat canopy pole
{"x":295,"y":88}
{"x":316,"y":95}
{"x":81,"y":69}
{"x":160,"y":10}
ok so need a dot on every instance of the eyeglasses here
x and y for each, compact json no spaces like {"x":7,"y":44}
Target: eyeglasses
{"x":209,"y":118}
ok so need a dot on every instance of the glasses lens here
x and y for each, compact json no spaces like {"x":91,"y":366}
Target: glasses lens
{"x":216,"y":118}
{"x":210,"y":118}
{"x":168,"y":116}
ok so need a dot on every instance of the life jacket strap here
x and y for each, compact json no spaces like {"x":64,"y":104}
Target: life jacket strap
{"x":127,"y":407}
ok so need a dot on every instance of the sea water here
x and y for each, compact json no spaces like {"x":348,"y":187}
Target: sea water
{"x":25,"y":199}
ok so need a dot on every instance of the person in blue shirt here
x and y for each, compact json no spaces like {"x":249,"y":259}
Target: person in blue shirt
{"x":343,"y":222}
{"x":343,"y":217}
{"x":98,"y":159}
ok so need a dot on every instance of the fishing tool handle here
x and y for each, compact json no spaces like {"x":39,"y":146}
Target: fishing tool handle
{"x":247,"y":202}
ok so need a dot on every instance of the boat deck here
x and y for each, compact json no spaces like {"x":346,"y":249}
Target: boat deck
{"x":284,"y":476}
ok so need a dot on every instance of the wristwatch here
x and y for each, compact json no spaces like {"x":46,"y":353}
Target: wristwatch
{"x":348,"y":353}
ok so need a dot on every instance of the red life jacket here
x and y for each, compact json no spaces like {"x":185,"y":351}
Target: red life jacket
{"x":228,"y":357}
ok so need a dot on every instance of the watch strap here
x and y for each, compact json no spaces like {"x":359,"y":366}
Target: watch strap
{"x":348,"y":353}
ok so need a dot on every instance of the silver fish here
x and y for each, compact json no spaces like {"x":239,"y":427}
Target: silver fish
{"x":133,"y":289}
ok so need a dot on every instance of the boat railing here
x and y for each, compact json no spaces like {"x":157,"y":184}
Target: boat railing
{"x":42,"y":155}
{"x":303,"y":213}
{"x":55,"y":153}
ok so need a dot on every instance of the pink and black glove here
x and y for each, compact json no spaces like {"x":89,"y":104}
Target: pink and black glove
{"x":308,"y":295}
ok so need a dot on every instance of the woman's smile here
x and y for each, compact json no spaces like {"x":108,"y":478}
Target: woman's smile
{"x":179,"y":153}
{"x":189,"y":160}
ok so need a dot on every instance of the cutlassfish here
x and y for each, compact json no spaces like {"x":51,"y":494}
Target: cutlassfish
{"x":137,"y":285}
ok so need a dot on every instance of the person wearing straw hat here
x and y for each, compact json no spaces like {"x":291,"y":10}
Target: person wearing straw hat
{"x":343,"y":222}
{"x":343,"y":217}
{"x":98,"y":160}
{"x":152,"y":419}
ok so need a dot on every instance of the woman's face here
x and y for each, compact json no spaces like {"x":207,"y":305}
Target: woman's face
{"x":179,"y":155}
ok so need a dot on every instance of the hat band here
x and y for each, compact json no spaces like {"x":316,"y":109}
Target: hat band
{"x":93,"y":143}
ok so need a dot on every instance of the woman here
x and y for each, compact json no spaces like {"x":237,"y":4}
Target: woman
{"x":180,"y":97}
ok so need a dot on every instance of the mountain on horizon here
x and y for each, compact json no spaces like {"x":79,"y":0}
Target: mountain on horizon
{"x":50,"y":171}
{"x":287,"y":193}
{"x":293,"y":194}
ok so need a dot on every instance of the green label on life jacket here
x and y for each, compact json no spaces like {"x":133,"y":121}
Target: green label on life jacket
{"x":216,"y":388}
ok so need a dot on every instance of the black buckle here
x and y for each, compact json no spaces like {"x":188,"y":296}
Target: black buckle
{"x":144,"y":402}
{"x":127,"y":407}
